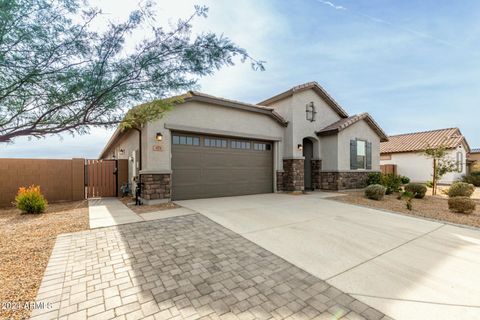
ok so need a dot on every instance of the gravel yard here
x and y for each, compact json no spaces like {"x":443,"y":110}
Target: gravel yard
{"x":26,"y":241}
{"x":130,"y":203}
{"x":434,"y":207}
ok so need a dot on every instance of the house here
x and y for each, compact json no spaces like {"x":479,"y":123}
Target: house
{"x":406,"y":151}
{"x":473,"y":159}
{"x":207,"y":146}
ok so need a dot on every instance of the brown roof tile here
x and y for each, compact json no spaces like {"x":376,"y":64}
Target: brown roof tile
{"x":419,"y":141}
{"x":346,"y":122}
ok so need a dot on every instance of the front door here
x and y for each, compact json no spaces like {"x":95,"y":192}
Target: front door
{"x":308,"y":154}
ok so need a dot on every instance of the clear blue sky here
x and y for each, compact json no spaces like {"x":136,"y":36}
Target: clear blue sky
{"x":413,"y":65}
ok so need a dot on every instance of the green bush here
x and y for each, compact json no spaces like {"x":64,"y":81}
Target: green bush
{"x":405,"y":179}
{"x":375,"y":192}
{"x":461,"y":204}
{"x":374,"y":178}
{"x":429,"y":184}
{"x":391,"y":182}
{"x":417,"y":189}
{"x":30,"y":200}
{"x":473,"y":178}
{"x":461,"y":189}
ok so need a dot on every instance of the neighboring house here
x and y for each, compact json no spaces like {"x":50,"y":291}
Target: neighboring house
{"x":407,"y":152}
{"x":474,"y":160}
{"x":209,"y":146}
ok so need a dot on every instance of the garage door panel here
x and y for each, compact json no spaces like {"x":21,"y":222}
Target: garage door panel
{"x":202,"y":172}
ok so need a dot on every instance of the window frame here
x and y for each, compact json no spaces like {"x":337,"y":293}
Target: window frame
{"x":185,"y":138}
{"x":364,"y":155}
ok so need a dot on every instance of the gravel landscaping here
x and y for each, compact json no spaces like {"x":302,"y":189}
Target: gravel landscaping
{"x":433,"y":207}
{"x":26,"y":241}
{"x":130,"y":203}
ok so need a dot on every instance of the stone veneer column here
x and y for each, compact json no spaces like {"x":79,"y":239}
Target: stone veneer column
{"x":316,"y":174}
{"x":293,"y":175}
{"x":156,"y":187}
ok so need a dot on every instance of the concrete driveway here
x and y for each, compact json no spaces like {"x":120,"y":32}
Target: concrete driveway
{"x":406,"y":267}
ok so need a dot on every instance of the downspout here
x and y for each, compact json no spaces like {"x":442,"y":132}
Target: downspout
{"x":139,"y":148}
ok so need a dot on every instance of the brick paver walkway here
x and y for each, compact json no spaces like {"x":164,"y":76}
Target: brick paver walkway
{"x":185,"y":267}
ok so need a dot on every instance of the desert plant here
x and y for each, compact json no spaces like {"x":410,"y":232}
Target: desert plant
{"x":392,"y":182}
{"x":473,"y":178}
{"x":405,"y":179}
{"x":375,"y":192}
{"x":442,"y":164}
{"x":30,"y":200}
{"x":417,"y":189}
{"x":461,"y":204}
{"x":460,"y":189}
{"x":429,"y":184}
{"x":374,"y":178}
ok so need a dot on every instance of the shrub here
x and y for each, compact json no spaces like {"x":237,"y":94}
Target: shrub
{"x":375,"y":192}
{"x":461,"y":204}
{"x":417,"y":189}
{"x":461,"y":189}
{"x":30,"y":200}
{"x":374,"y":178}
{"x":392,"y":182}
{"x":429,"y":184}
{"x":473,"y":178}
{"x":405,"y":179}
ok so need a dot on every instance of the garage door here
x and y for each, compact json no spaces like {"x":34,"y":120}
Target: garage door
{"x":211,"y":166}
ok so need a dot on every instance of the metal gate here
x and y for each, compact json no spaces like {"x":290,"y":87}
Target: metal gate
{"x":101,"y":178}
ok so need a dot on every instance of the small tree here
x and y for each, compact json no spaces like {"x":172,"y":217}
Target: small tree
{"x":442,"y":164}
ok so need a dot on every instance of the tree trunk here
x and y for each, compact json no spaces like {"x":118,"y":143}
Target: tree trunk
{"x":434,"y":187}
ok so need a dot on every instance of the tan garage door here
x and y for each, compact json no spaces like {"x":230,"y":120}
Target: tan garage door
{"x":211,"y":166}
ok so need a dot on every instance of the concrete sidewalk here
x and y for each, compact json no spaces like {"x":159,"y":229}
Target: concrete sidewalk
{"x":108,"y":212}
{"x":405,"y":267}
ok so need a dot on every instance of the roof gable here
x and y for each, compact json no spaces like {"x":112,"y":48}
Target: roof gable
{"x":308,"y":86}
{"x":419,"y":141}
{"x":342,"y":124}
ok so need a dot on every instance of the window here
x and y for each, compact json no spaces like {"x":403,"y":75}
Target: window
{"x":459,"y":161}
{"x":361,"y":154}
{"x":186,"y":140}
{"x":261,"y":146}
{"x":215,"y":143}
{"x":240,"y":144}
{"x":311,"y":112}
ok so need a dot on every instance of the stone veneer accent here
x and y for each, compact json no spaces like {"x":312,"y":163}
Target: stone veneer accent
{"x":316,"y":174}
{"x":293,"y":175}
{"x":155,"y":186}
{"x":344,"y":180}
{"x":280,"y":180}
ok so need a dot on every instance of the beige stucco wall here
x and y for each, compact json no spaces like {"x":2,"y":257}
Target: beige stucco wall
{"x":360,"y":130}
{"x":203,"y":117}
{"x":293,"y":110}
{"x":329,"y":153}
{"x":419,"y":168}
{"x":475,"y":166}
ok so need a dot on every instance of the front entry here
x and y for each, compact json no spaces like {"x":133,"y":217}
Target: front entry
{"x":308,"y":154}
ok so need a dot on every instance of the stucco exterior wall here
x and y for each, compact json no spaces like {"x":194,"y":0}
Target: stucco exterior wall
{"x":293,"y":110}
{"x":204,"y":117}
{"x":419,"y":168}
{"x":329,"y":153}
{"x":360,"y":130}
{"x":475,"y":166}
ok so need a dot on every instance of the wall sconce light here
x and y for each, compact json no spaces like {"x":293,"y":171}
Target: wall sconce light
{"x":300,"y":147}
{"x":122,"y":151}
{"x":159,"y":136}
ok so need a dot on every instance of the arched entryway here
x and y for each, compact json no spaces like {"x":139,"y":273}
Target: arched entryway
{"x":308,"y":155}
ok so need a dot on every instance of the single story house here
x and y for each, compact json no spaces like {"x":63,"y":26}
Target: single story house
{"x":407,"y":152}
{"x":473,"y":159}
{"x":207,"y":146}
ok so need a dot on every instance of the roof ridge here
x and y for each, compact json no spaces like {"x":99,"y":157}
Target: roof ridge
{"x":425,"y":131}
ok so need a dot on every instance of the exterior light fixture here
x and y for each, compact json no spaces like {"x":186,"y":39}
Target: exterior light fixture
{"x":159,"y":136}
{"x":311,"y":112}
{"x":300,"y":147}
{"x":122,"y":151}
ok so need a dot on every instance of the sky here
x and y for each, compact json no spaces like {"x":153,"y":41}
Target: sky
{"x":413,"y":65}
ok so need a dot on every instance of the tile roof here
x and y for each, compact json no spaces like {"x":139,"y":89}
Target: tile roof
{"x":346,"y":122}
{"x":419,"y":141}
{"x":475,"y":150}
{"x":302,"y":87}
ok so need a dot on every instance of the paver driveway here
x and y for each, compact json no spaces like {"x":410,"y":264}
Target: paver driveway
{"x":406,"y":267}
{"x":186,"y":267}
